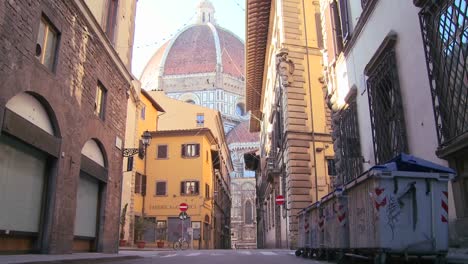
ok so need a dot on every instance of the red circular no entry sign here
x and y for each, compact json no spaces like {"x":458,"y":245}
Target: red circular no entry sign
{"x":280,"y":200}
{"x":183,"y":207}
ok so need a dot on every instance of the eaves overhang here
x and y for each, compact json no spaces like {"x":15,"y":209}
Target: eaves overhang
{"x":257,"y":25}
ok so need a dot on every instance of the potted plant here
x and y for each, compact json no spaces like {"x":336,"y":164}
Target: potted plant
{"x":123,"y":217}
{"x":140,"y":227}
{"x":161,"y":236}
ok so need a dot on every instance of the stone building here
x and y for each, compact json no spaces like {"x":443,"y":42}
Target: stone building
{"x":383,"y":99}
{"x":204,"y":65}
{"x":63,"y":99}
{"x":243,"y":214}
{"x":285,"y":96}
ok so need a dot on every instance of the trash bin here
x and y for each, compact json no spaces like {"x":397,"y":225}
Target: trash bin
{"x":400,"y":207}
{"x":336,"y":228}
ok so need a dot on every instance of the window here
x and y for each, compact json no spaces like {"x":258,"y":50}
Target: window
{"x":46,"y":45}
{"x":162,"y":152}
{"x":100,"y":101}
{"x":349,"y":153}
{"x":344,"y":15}
{"x":143,"y":112}
{"x":200,"y":120}
{"x":130,"y":163}
{"x":161,"y":188}
{"x":189,"y":188}
{"x":190,"y":150}
{"x":140,"y":184}
{"x":240,"y":110}
{"x":112,"y":19}
{"x":385,"y":106}
{"x":445,"y":33}
{"x":248,"y":213}
{"x":207,"y":191}
{"x":331,"y":167}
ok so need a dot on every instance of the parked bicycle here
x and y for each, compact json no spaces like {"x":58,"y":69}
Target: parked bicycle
{"x":181,"y":244}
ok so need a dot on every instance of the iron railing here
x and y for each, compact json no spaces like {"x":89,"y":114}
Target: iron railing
{"x":444,"y":26}
{"x":350,"y":165}
{"x":386,"y":108}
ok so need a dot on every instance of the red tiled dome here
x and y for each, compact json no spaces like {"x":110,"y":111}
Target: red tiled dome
{"x":241,"y":133}
{"x":197,"y":49}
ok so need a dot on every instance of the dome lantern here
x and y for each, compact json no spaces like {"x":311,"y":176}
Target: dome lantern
{"x":205,"y":12}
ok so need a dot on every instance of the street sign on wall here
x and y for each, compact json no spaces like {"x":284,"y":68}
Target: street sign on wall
{"x":279,"y":200}
{"x":183,"y":207}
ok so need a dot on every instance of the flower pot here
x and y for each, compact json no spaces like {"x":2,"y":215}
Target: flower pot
{"x":160,"y":244}
{"x":122,"y":243}
{"x":140,"y":244}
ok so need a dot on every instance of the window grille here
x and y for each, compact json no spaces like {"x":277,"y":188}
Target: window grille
{"x":350,"y":149}
{"x":444,"y":27}
{"x":385,"y":105}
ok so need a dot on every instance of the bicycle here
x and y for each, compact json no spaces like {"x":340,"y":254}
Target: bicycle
{"x":181,"y":244}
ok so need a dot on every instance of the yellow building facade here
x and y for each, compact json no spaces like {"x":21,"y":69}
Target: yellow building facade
{"x":181,"y":170}
{"x":187,"y":161}
{"x":286,"y":98}
{"x":143,"y":117}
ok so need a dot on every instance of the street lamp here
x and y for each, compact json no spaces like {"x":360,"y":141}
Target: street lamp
{"x":146,"y":140}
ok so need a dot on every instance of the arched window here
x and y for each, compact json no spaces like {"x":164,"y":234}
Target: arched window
{"x":248,"y":213}
{"x":190,"y":101}
{"x":240,"y":109}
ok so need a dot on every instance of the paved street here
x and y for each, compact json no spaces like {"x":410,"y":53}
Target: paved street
{"x":216,"y":256}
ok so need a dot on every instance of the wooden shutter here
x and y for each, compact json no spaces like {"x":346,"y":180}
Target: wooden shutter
{"x":197,"y":187}
{"x":182,"y":189}
{"x":130,"y":163}
{"x":336,"y":25}
{"x":138,"y":183}
{"x":197,"y":150}
{"x":182,"y":151}
{"x":143,"y":185}
{"x":344,"y":13}
{"x":161,"y":188}
{"x":162,"y":151}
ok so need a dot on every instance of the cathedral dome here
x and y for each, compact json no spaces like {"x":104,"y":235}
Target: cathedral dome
{"x":202,"y":64}
{"x":198,"y":49}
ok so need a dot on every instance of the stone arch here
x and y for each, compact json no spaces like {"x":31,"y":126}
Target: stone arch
{"x":94,"y":150}
{"x":190,"y":98}
{"x":35,"y":109}
{"x":91,"y":196}
{"x":30,"y":148}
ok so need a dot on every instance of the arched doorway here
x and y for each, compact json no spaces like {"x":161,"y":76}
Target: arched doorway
{"x":90,"y":198}
{"x":30,"y":144}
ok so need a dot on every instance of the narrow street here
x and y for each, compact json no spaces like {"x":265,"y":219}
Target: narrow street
{"x":216,"y":256}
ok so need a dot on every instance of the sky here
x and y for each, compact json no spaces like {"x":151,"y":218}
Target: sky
{"x":159,"y":20}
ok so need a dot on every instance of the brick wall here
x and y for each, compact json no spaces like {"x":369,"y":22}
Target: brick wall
{"x":69,"y":93}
